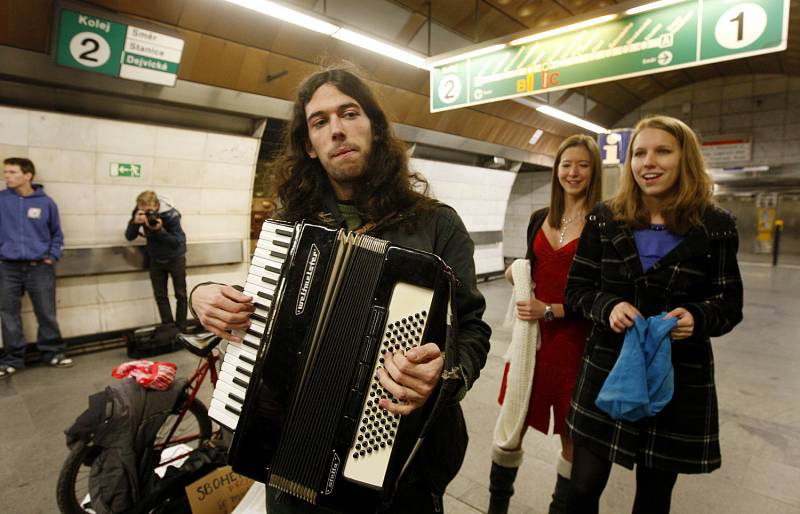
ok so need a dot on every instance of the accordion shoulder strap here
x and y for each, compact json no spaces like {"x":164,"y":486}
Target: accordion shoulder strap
{"x":452,"y":378}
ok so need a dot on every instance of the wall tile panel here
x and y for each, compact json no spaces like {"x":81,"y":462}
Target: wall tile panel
{"x":62,"y":131}
{"x":13,"y":151}
{"x":231,"y":149}
{"x":127,"y":314}
{"x":72,"y":198}
{"x":13,"y":127}
{"x":57,"y":164}
{"x":117,"y":200}
{"x":126,"y":138}
{"x":180,"y":144}
{"x":79,"y":229}
{"x":218,"y":175}
{"x":177,"y":173}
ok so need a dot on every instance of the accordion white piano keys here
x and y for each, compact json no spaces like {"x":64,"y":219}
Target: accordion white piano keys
{"x":234,"y":376}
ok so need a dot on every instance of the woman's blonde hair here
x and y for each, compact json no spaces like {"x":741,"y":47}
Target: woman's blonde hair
{"x":693,"y":189}
{"x":593,"y":192}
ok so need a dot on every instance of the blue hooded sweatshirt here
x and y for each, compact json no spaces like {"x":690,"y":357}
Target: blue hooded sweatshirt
{"x":30,"y":228}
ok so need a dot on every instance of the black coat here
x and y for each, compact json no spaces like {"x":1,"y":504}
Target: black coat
{"x":701,"y":274}
{"x":442,"y":233}
{"x":441,"y":454}
{"x":162,"y":245}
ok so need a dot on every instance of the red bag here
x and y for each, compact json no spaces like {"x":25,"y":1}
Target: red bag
{"x":151,"y":375}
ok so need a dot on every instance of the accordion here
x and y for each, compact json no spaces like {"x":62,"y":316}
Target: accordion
{"x":300,"y":391}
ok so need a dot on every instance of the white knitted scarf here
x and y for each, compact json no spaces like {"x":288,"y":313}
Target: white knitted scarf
{"x":521,"y":356}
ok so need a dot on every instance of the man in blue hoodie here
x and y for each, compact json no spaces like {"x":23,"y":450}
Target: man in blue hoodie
{"x":160,"y":224}
{"x":31,"y":242}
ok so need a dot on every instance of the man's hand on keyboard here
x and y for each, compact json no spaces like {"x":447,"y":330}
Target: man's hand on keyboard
{"x":411,"y":378}
{"x":222,"y":308}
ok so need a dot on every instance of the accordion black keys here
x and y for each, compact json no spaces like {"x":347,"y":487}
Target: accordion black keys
{"x":300,"y":391}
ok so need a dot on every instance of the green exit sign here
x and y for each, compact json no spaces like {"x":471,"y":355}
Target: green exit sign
{"x":124,"y":169}
{"x":634,"y":42}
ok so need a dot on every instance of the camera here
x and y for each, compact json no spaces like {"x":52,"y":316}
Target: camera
{"x":152,"y":217}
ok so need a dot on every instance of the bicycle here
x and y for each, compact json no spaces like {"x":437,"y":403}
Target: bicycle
{"x":187,"y":425}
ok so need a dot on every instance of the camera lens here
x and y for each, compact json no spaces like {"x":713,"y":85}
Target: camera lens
{"x":152,"y":218}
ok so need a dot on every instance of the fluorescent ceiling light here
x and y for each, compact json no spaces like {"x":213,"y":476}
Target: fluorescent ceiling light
{"x":569,"y":118}
{"x":466,"y":55}
{"x":319,"y":25}
{"x":651,"y":6}
{"x":380,"y":47}
{"x":561,"y":30}
{"x":536,"y":137}
{"x":288,"y":15}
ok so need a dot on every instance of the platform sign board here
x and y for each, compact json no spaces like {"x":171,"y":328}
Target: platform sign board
{"x":614,"y":145}
{"x":679,"y":35}
{"x":92,"y":43}
{"x":727,"y":149}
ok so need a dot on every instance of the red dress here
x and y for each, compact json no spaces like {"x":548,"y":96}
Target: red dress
{"x":559,"y":358}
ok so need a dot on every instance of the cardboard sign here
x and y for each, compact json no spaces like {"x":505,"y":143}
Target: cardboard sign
{"x":219,"y":492}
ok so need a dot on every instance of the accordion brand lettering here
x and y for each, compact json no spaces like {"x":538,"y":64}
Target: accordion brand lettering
{"x":332,"y":474}
{"x":308,"y":276}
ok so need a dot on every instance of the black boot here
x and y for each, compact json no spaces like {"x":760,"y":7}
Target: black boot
{"x":501,"y":485}
{"x":560,"y":495}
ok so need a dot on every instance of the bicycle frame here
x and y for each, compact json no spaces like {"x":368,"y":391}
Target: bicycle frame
{"x":208,"y":364}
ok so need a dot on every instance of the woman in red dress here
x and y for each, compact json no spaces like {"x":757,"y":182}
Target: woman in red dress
{"x":552,"y":240}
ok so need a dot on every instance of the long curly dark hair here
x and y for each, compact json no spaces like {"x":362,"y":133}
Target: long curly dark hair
{"x":387,"y":187}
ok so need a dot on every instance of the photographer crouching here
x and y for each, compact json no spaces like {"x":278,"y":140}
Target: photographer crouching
{"x":160,"y":225}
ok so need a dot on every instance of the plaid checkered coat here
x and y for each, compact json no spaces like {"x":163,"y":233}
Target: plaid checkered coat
{"x":701,"y":274}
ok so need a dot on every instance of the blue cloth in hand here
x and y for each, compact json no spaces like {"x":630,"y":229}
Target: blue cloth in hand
{"x":642,"y":381}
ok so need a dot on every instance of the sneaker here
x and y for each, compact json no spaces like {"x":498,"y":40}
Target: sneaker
{"x":59,"y":361}
{"x":7,"y":371}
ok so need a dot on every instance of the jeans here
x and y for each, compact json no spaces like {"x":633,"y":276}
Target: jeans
{"x":159,"y":270}
{"x":39,"y":280}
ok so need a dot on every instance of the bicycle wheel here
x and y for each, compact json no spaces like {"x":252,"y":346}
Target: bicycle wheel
{"x":193,"y":430}
{"x":72,"y":488}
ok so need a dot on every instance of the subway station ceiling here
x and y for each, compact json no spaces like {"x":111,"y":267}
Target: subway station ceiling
{"x":232,"y":47}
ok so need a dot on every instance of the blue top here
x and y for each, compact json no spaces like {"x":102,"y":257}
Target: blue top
{"x":654,"y":243}
{"x":30,"y":228}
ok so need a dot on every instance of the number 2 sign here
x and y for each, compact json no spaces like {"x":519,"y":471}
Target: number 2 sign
{"x":91,"y":43}
{"x":89,"y":49}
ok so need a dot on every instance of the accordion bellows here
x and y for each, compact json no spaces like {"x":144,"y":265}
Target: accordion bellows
{"x":300,"y":391}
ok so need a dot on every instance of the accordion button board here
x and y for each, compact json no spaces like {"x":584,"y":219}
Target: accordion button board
{"x":372,"y":448}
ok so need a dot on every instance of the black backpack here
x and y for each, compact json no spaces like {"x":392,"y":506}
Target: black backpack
{"x":168,"y":495}
{"x":152,"y":340}
{"x":121,"y":423}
